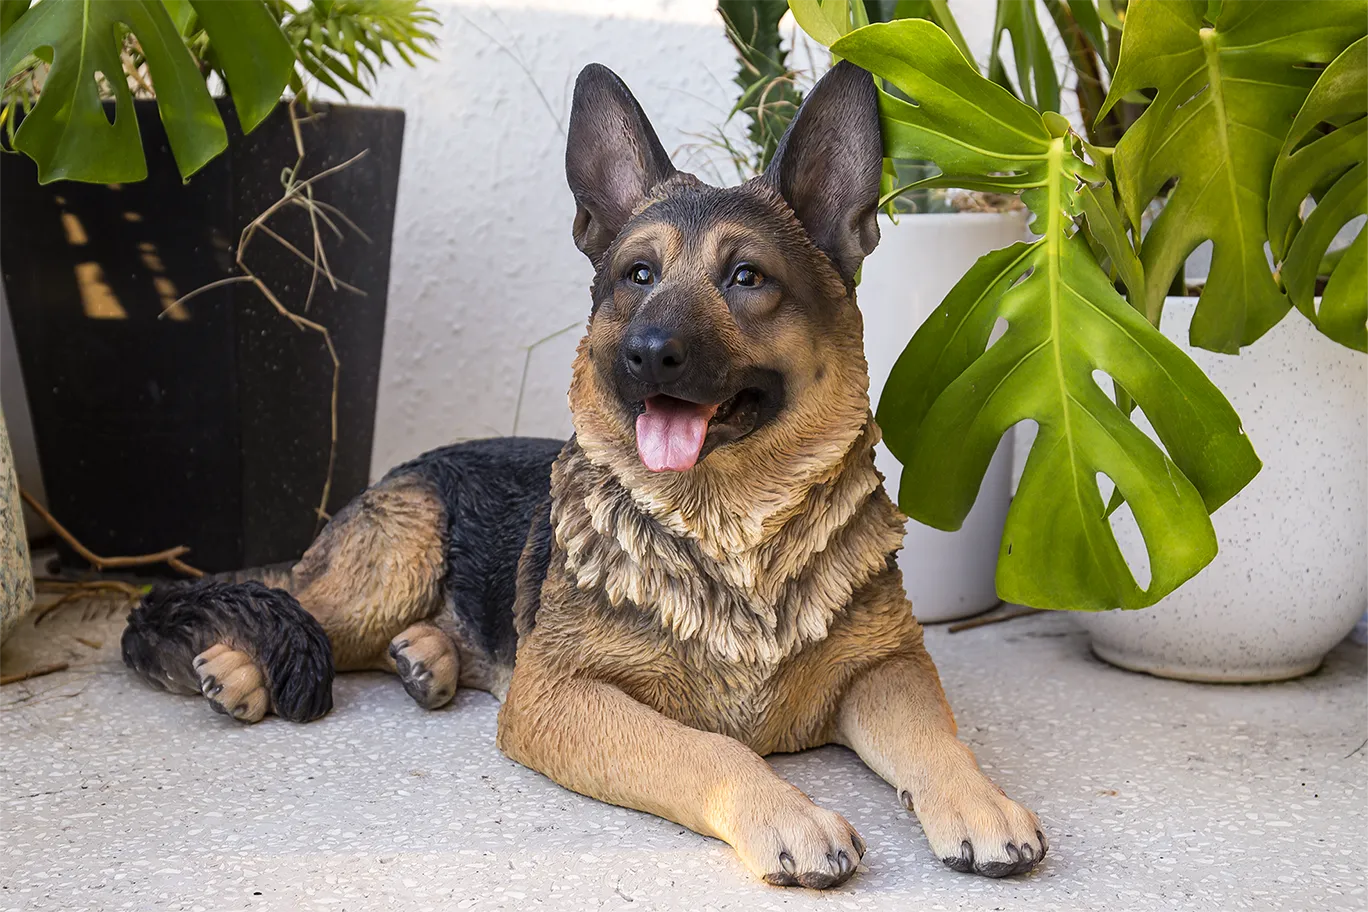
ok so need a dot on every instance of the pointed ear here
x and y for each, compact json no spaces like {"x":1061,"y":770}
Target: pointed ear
{"x":612,"y":158}
{"x":829,"y":163}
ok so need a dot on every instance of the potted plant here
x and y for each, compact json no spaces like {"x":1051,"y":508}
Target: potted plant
{"x":16,"y":573}
{"x":928,"y":239}
{"x":1244,"y":116}
{"x":235,"y":420}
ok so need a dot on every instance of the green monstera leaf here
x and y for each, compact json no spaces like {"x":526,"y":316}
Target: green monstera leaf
{"x":1225,"y":95}
{"x":1036,"y":77}
{"x":1331,"y":166}
{"x":952,"y":395}
{"x":67,"y":133}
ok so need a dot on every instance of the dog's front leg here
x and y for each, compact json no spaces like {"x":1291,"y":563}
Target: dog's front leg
{"x":593,"y":738}
{"x":897,"y":719}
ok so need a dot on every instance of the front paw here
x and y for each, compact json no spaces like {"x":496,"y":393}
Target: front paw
{"x":974,"y":827}
{"x":792,"y":842}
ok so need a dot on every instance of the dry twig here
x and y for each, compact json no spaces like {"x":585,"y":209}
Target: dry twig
{"x":299,"y":193}
{"x":170,"y":557}
{"x":987,"y":619}
{"x":34,"y":673}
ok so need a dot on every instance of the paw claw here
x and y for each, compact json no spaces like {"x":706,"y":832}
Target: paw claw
{"x":786,"y":862}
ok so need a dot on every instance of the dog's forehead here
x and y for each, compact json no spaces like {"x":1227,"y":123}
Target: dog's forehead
{"x":694,"y":208}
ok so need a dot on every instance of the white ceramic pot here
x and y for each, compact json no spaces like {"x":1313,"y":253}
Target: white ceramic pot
{"x":948,"y":575}
{"x":1291,"y":577}
{"x":16,"y":573}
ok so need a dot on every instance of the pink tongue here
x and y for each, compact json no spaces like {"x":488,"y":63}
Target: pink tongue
{"x":670,"y":433}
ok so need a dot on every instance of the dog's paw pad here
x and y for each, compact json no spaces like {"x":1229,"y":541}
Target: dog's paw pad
{"x":232,"y":683}
{"x":427,"y":665}
{"x":811,"y":847}
{"x":980,"y":830}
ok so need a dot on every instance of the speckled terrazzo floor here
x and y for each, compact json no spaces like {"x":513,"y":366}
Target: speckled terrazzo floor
{"x":1156,"y":795}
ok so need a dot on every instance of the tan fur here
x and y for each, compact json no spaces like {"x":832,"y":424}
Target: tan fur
{"x":897,"y":718}
{"x":375,"y":572}
{"x":752,"y":604}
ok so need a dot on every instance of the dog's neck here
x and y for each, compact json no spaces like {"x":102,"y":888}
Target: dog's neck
{"x":750,"y":580}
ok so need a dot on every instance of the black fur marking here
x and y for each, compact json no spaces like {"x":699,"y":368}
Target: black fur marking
{"x":176,"y":622}
{"x":532,"y":568}
{"x":489,"y":490}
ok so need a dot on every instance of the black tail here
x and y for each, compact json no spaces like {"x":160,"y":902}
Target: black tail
{"x":177,"y":621}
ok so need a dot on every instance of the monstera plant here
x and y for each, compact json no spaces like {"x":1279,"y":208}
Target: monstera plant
{"x":1250,"y":111}
{"x":62,"y":58}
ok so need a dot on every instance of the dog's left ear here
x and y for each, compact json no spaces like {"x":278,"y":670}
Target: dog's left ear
{"x":612,"y":158}
{"x":829,"y":163}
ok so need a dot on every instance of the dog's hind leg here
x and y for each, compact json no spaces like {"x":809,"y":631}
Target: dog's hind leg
{"x":374,"y":572}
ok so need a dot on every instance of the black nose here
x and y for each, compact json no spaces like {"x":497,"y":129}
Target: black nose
{"x":655,"y":355}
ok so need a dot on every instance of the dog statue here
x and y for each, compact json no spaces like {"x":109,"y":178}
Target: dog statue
{"x":702,"y":575}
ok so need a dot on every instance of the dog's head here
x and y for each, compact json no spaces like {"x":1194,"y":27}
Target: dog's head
{"x":724,"y":337}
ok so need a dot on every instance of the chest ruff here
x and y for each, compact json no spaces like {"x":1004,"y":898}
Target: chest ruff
{"x":753,"y":603}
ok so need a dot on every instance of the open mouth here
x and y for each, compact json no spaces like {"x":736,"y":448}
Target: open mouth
{"x":673,"y":434}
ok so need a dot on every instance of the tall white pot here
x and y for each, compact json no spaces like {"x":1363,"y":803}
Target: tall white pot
{"x":1291,"y":577}
{"x":16,"y":572}
{"x":948,"y":574}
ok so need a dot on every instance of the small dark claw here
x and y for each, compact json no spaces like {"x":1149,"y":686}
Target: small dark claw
{"x":1013,"y":852}
{"x":843,"y":864}
{"x":965,"y":862}
{"x":1028,"y":852}
{"x":1044,"y":844}
{"x":905,"y":799}
{"x":786,"y":862}
{"x":859,"y":842}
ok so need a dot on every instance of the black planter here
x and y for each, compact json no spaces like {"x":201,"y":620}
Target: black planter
{"x":211,"y":430}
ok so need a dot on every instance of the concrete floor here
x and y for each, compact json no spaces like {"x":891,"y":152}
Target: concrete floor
{"x":1155,"y":794}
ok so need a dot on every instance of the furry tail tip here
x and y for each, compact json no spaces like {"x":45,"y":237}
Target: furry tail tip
{"x":175,"y":622}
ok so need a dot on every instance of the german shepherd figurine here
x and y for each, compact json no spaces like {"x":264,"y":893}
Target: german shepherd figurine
{"x":701,"y":576}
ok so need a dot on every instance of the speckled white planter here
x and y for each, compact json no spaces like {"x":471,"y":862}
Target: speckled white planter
{"x":948,"y":575}
{"x":16,"y":573}
{"x":1291,"y":577}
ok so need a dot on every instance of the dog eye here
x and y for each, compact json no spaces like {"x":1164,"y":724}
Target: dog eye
{"x":747,"y":276}
{"x":641,"y":274}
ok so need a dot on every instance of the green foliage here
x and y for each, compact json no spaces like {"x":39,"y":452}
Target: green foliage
{"x":1037,"y":83}
{"x":88,"y":50}
{"x":951,"y":396}
{"x":67,"y":133}
{"x":1226,"y":94}
{"x":768,"y":96}
{"x":1250,"y":109}
{"x":336,"y":40}
{"x":1324,"y":155}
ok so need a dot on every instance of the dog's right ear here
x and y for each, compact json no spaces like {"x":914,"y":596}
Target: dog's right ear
{"x":612,"y":158}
